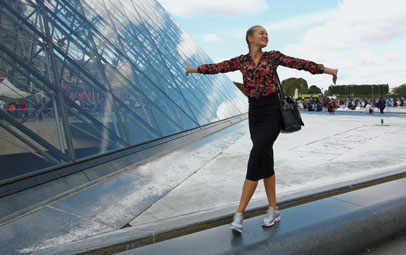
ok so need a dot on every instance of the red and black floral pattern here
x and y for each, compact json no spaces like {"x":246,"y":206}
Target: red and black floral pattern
{"x":261,"y":80}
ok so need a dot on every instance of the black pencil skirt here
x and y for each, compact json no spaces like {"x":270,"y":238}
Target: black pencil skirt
{"x":264,"y":117}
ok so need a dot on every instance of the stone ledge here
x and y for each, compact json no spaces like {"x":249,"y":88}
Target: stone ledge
{"x":334,"y":225}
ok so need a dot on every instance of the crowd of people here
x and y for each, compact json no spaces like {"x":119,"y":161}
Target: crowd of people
{"x":16,"y":109}
{"x":331,"y":103}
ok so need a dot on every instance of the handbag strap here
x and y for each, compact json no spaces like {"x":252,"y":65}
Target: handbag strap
{"x":281,"y":93}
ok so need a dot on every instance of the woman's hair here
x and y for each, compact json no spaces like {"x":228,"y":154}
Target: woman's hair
{"x":251,"y":31}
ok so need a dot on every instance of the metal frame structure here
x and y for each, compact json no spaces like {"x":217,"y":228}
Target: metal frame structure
{"x":104,"y":78}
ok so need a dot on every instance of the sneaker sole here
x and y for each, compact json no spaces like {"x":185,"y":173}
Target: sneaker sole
{"x":235,"y":229}
{"x":278,"y":218}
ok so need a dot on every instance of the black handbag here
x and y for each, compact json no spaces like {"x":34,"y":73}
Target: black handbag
{"x":291,"y":119}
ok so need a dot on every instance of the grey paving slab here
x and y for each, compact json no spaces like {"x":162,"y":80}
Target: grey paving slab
{"x":296,"y":228}
{"x":45,"y":228}
{"x":114,"y":202}
{"x":111,"y":240}
{"x":27,"y":199}
{"x":384,"y":201}
{"x":396,"y":246}
{"x":376,"y":194}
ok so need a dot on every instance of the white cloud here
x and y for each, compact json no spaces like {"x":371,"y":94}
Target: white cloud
{"x":214,"y":7}
{"x":366,"y":41}
{"x":152,"y":15}
{"x":211,"y":38}
{"x":310,"y":18}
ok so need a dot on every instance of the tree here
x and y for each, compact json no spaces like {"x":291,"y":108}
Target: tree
{"x":314,"y":90}
{"x":400,"y":90}
{"x":290,"y":85}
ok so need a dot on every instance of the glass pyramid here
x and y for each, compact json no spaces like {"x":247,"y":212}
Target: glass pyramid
{"x":81,"y":78}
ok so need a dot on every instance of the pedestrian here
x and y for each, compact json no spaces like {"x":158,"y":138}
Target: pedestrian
{"x":381,"y":104}
{"x":23,"y":108}
{"x":330,"y":108}
{"x":260,"y":81}
{"x":12,"y":109}
{"x":368,"y":108}
{"x":2,"y":103}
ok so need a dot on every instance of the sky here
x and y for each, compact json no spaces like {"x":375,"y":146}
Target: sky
{"x":364,"y":39}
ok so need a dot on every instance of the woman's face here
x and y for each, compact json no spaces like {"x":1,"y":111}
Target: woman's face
{"x":259,"y":38}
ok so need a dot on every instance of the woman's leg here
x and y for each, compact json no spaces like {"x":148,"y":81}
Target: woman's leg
{"x":269,"y":184}
{"x":247,"y":192}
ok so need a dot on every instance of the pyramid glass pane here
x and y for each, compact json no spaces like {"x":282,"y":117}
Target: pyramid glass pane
{"x":92,"y":97}
{"x":70,"y":41}
{"x":138,"y":44}
{"x":120,"y":48}
{"x":97,"y":76}
{"x":21,"y":155}
{"x":37,"y":105}
{"x":89,"y":137}
{"x":137,"y":130}
{"x":131,"y":97}
{"x":173,"y":42}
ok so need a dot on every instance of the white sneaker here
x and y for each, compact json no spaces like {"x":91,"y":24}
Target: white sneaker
{"x":271,"y":217}
{"x":236,"y":225}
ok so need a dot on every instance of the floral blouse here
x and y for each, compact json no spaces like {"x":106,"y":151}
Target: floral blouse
{"x":261,"y":80}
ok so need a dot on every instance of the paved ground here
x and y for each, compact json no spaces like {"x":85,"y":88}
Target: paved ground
{"x":330,"y":149}
{"x":394,"y":247}
{"x":207,"y":175}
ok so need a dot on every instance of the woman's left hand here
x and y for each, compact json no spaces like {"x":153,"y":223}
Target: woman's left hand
{"x":335,"y":72}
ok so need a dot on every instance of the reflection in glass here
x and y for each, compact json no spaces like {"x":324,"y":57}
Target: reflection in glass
{"x":21,"y":155}
{"x":34,"y":104}
{"x":137,"y":130}
{"x":130,"y":96}
{"x":88,"y":136}
{"x":95,"y":76}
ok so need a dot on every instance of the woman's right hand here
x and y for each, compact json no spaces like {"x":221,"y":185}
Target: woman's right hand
{"x":187,"y":68}
{"x":190,"y":69}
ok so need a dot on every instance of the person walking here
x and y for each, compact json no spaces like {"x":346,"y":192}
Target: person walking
{"x":2,"y":103}
{"x":381,"y":104}
{"x":260,"y":81}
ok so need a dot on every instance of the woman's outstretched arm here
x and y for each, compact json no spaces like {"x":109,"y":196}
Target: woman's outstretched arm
{"x":331,"y":71}
{"x":302,"y":64}
{"x":222,"y":67}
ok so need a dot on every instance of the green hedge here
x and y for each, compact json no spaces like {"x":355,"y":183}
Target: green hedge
{"x":359,"y":90}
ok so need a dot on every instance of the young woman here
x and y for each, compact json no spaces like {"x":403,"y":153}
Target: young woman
{"x":261,"y":87}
